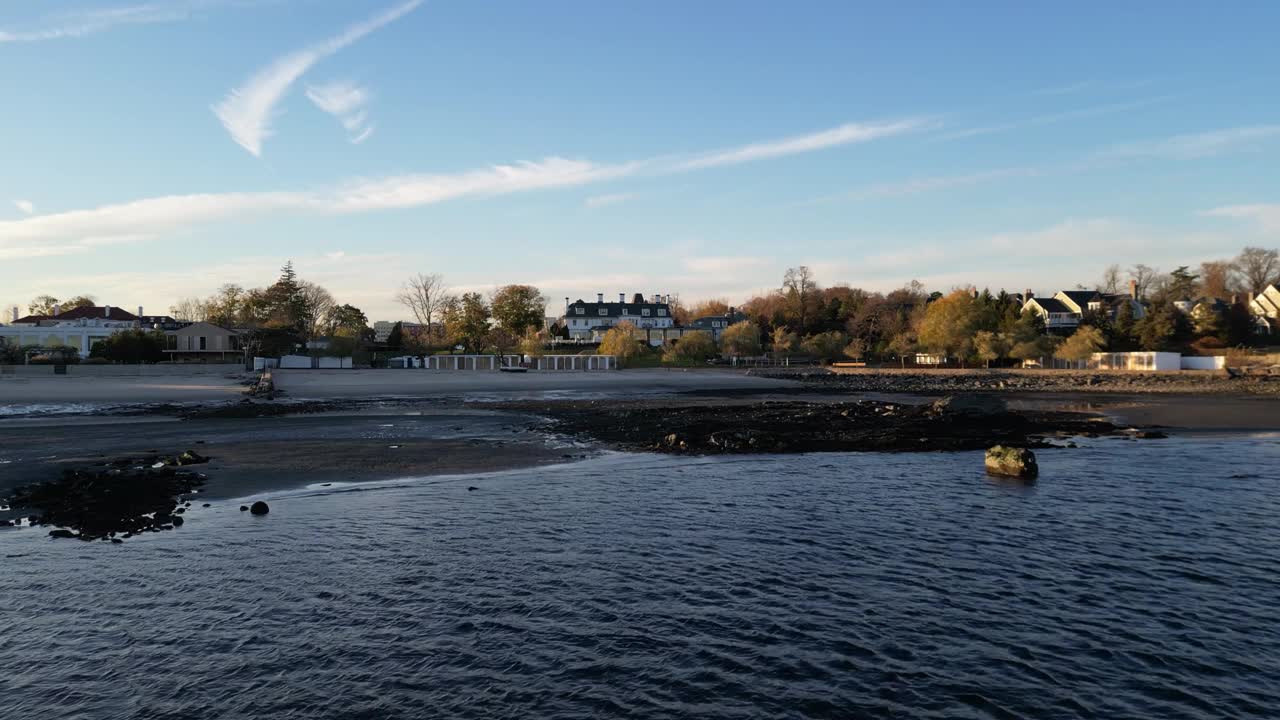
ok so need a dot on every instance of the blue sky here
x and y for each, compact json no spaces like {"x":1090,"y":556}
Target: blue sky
{"x":155,"y":150}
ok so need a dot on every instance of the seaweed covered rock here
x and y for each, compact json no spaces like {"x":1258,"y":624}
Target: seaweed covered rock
{"x":1012,"y":462}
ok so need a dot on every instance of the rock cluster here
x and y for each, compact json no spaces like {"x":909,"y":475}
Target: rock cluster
{"x":1000,"y":381}
{"x":956,"y":423}
{"x":115,"y":500}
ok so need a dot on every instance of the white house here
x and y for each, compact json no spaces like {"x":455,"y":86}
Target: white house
{"x":589,"y":320}
{"x":1058,"y":316}
{"x":79,"y":329}
{"x":1265,"y":308}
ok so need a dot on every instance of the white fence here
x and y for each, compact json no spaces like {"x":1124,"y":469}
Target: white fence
{"x":493,"y":363}
{"x":306,"y":362}
{"x":570,"y":363}
{"x":1215,"y":362}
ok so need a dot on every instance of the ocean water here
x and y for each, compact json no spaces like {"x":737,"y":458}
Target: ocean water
{"x":1135,"y":580}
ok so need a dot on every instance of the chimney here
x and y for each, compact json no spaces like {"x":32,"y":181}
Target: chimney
{"x":57,"y":310}
{"x":15,"y":313}
{"x":1133,"y":289}
{"x":1027,"y":295}
{"x":107,"y":311}
{"x":622,"y":297}
{"x":139,"y":312}
{"x":599,"y":297}
{"x":566,"y":305}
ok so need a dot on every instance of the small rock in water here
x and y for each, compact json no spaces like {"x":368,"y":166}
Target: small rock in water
{"x":116,"y":541}
{"x":206,"y":505}
{"x":471,"y":488}
{"x":176,"y":521}
{"x":61,"y":534}
{"x":260,"y":508}
{"x":244,"y":508}
{"x":1012,"y":462}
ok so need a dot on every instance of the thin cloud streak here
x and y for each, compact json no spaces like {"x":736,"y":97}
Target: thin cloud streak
{"x":1051,"y":119}
{"x":843,"y":135}
{"x":25,"y":206}
{"x":168,"y":213}
{"x":78,"y":24}
{"x":246,"y":112}
{"x":1192,"y":146}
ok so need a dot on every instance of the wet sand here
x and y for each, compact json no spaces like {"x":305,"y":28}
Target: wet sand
{"x":252,"y":455}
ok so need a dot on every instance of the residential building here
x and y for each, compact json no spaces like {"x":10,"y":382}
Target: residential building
{"x":79,"y":328}
{"x":382,"y":330}
{"x":716,"y":324}
{"x":590,"y":320}
{"x":1265,"y":309}
{"x":202,"y":342}
{"x":1058,"y":317}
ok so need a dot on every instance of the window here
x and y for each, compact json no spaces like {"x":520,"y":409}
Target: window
{"x":645,"y":312}
{"x":662,"y":312}
{"x":604,"y":311}
{"x":203,"y":342}
{"x":580,"y":310}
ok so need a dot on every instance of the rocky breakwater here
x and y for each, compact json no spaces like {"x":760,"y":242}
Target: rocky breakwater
{"x":115,"y":500}
{"x":953,"y":423}
{"x":935,"y":382}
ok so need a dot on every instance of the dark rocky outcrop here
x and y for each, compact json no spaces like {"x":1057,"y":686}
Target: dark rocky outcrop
{"x":787,"y":427}
{"x":259,"y":508}
{"x":124,"y":496}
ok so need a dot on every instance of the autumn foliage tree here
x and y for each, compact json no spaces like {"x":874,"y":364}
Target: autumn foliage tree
{"x":620,"y":342}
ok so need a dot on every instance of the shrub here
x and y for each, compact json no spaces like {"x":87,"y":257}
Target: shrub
{"x":692,"y":347}
{"x":827,"y":346}
{"x":741,"y":339}
{"x":620,"y":342}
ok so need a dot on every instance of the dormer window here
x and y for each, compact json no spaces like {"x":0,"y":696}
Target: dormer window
{"x":645,"y":312}
{"x":580,"y":310}
{"x":604,"y":311}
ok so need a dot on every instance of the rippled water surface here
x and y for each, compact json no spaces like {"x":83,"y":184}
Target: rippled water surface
{"x":1134,"y":580}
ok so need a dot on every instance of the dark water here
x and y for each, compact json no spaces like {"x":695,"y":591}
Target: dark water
{"x":1135,"y":580}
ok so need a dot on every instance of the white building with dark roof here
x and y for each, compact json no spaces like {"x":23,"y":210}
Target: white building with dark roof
{"x":591,"y":320}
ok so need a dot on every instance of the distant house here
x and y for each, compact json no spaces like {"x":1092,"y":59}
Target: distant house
{"x":1058,"y":316}
{"x":1265,"y":309}
{"x":716,"y":324}
{"x":79,"y":328}
{"x":591,"y":320}
{"x":382,"y":330}
{"x":1064,"y":311}
{"x":202,"y":342}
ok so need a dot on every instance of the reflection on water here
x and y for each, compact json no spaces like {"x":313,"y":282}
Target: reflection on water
{"x":1133,"y":580}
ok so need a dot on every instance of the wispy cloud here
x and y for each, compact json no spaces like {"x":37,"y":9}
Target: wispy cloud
{"x":345,"y":101}
{"x":917,"y":186}
{"x":176,"y":212}
{"x":843,"y":135}
{"x":247,"y":111}
{"x":1266,"y":216}
{"x":610,"y":199}
{"x":1197,"y":145}
{"x":1052,"y":118}
{"x":81,"y":23}
{"x":26,"y":206}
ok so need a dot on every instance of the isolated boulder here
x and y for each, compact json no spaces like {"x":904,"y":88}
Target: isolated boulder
{"x":259,"y":508}
{"x":1012,"y":462}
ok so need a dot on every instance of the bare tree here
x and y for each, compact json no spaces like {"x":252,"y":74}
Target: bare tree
{"x":799,"y":287}
{"x":426,"y":297}
{"x":190,"y":310}
{"x":318,"y":304}
{"x":1258,"y":267}
{"x":1110,"y":280}
{"x":1217,"y":279}
{"x":1145,"y":277}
